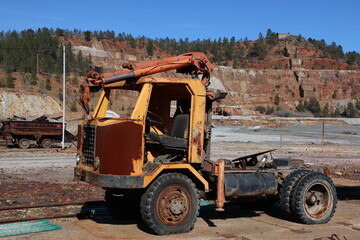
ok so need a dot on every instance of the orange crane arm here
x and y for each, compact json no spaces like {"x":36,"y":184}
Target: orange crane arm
{"x":189,"y":63}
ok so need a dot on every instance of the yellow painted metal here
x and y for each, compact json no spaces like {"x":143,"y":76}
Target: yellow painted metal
{"x":194,"y":84}
{"x":197,"y":112}
{"x":139,"y":113}
{"x":149,"y":156}
{"x":102,"y":105}
{"x":142,"y":103}
{"x":197,"y":118}
{"x":175,"y":166}
{"x":156,"y":130}
{"x":197,"y":122}
{"x":116,"y":84}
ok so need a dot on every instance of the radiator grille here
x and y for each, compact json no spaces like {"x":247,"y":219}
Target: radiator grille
{"x":88,"y":146}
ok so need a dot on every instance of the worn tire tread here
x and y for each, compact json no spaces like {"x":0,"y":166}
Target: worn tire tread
{"x":287,"y":189}
{"x":147,"y":198}
{"x":298,"y":204}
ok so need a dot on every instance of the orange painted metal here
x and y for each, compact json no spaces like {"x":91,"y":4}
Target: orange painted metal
{"x":220,"y":200}
{"x":188,"y":63}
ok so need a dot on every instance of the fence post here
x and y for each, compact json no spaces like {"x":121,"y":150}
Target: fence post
{"x":280,"y":133}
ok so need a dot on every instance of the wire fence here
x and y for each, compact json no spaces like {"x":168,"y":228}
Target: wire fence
{"x":297,"y":134}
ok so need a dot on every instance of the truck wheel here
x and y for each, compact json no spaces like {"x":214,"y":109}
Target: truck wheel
{"x":170,"y":205}
{"x":287,"y":189}
{"x":9,"y":142}
{"x":314,"y":199}
{"x":46,"y":143}
{"x":24,"y":143}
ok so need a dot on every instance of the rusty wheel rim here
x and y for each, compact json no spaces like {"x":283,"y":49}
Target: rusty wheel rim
{"x":173,"y":205}
{"x":24,"y":143}
{"x":46,"y":143}
{"x":317,"y":200}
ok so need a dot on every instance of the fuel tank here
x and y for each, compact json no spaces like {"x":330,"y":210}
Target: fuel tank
{"x":250,"y":185}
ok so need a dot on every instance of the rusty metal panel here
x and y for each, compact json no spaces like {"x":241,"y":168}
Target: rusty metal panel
{"x":79,"y":138}
{"x":120,"y":147}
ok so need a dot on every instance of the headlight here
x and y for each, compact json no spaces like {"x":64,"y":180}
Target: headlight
{"x":1,"y":125}
{"x":78,"y":158}
{"x":96,"y":163}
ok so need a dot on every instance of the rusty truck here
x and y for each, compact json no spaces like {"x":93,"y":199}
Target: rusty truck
{"x":22,"y":132}
{"x":161,"y":158}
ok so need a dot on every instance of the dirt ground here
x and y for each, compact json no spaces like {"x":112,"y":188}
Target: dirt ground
{"x":30,"y":183}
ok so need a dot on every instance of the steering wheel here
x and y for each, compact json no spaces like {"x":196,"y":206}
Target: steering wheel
{"x":155,"y":115}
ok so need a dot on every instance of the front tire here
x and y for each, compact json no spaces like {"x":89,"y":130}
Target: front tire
{"x":314,"y":199}
{"x":170,"y":205}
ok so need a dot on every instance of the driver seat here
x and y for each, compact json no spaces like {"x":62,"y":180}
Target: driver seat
{"x":178,"y":140}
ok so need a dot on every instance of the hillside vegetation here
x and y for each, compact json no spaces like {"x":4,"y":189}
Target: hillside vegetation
{"x":31,"y":61}
{"x":27,"y":50}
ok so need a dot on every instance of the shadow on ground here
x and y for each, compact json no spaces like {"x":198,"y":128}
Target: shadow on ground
{"x":348,"y":193}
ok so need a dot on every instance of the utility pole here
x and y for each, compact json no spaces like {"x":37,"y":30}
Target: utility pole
{"x":63,"y":103}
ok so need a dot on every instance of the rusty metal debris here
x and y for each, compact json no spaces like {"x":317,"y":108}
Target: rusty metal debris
{"x":332,"y":237}
{"x":23,"y":131}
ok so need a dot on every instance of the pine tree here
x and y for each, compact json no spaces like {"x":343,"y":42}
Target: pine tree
{"x":277,"y":99}
{"x":260,"y":36}
{"x":325,"y":110}
{"x":60,"y":94}
{"x":314,"y":106}
{"x":150,"y":48}
{"x":300,"y":107}
{"x":48,"y":84}
{"x":350,"y":111}
{"x":87,"y":36}
{"x":73,"y":107}
{"x":9,"y":81}
{"x":33,"y":79}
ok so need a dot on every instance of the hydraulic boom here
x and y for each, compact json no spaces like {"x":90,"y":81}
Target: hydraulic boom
{"x":194,"y":63}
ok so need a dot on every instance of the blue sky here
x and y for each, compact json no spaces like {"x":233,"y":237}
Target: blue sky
{"x":334,"y":21}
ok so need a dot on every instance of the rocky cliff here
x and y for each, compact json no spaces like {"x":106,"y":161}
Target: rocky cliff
{"x":249,"y":88}
{"x":291,"y":71}
{"x":295,"y":71}
{"x":23,"y":104}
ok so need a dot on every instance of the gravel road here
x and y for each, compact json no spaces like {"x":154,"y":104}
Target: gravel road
{"x":37,"y":162}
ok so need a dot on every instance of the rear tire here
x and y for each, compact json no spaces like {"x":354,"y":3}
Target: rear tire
{"x":314,"y":199}
{"x":170,"y":205}
{"x":287,"y":189}
{"x":46,"y":143}
{"x":24,"y":143}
